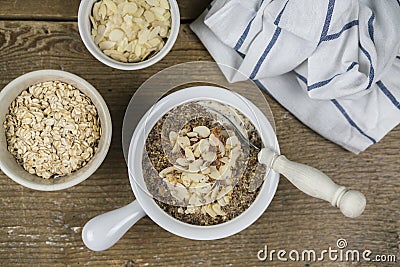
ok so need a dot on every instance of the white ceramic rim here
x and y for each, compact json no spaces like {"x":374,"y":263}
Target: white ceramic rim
{"x":148,"y":204}
{"x":84,"y":26}
{"x":15,"y":87}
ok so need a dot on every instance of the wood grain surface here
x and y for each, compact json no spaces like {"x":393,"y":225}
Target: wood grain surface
{"x":67,"y":10}
{"x":44,"y":228}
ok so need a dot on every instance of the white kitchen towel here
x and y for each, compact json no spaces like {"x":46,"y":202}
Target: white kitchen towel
{"x":333,"y":64}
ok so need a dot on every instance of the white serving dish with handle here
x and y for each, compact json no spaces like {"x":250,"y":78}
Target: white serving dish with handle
{"x":105,"y":230}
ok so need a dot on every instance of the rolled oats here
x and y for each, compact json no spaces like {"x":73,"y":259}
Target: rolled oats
{"x":52,"y":129}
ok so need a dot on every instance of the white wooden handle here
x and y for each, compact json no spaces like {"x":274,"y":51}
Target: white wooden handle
{"x":315,"y":183}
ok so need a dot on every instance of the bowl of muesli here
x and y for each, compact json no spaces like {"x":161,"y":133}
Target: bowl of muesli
{"x":56,"y":130}
{"x":205,"y":192}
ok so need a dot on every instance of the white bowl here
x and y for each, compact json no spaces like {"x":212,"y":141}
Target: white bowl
{"x":264,"y":197}
{"x":104,"y":230}
{"x":84,"y":25}
{"x":9,"y":165}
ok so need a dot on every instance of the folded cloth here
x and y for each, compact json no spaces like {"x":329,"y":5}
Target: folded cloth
{"x":333,"y":64}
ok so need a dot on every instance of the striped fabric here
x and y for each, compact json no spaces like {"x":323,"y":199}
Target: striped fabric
{"x":335,"y":64}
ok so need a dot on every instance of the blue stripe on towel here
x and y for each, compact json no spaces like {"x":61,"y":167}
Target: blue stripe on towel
{"x":244,"y":35}
{"x":331,"y":6}
{"x":371,"y":27}
{"x":352,"y":66}
{"x":301,"y":77}
{"x":388,"y":94}
{"x":398,"y":57}
{"x":265,"y":53}
{"x":209,"y":6}
{"x":371,"y":68}
{"x":270,"y":44}
{"x":337,"y":35}
{"x":322,"y":83}
{"x":349,"y":119}
{"x":278,"y":18}
{"x":398,"y":2}
{"x":309,"y":88}
{"x":342,"y":110}
{"x":248,"y":27}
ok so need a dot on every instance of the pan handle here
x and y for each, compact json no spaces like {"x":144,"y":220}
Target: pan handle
{"x":103,"y":231}
{"x":315,"y":183}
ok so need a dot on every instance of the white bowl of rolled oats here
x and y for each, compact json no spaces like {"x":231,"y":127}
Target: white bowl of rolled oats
{"x":56,"y":130}
{"x":129,"y":34}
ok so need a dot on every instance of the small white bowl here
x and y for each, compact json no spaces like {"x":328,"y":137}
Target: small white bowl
{"x":9,"y":165}
{"x":85,"y":28}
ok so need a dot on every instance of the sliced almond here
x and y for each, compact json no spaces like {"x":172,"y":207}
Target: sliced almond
{"x":183,"y":141}
{"x":221,"y":149}
{"x":165,"y":171}
{"x":119,"y":57}
{"x":129,"y":8}
{"x":179,"y":168}
{"x":214,"y":173}
{"x":214,"y":141}
{"x":209,"y":156}
{"x":172,"y":137}
{"x":196,"y":152}
{"x":202,"y":131}
{"x":192,"y":134}
{"x":152,"y":2}
{"x":205,"y":170}
{"x":210,"y":211}
{"x":149,"y":16}
{"x":111,"y":6}
{"x":222,"y":202}
{"x":195,"y":166}
{"x":103,"y":11}
{"x":116,"y":35}
{"x":204,"y":146}
{"x":183,"y":162}
{"x":95,"y":12}
{"x":225,"y":190}
{"x":178,"y":191}
{"x":189,"y":154}
{"x":158,"y":10}
{"x":197,"y":177}
{"x":185,"y":179}
{"x":217,"y":208}
{"x":224,"y":160}
{"x":194,"y":200}
{"x":138,"y":50}
{"x":164,"y":4}
{"x":143,"y":36}
{"x":175,"y":149}
{"x":106,"y":45}
{"x":100,"y":34}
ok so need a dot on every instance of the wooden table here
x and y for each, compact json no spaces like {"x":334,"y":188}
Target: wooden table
{"x":44,"y":228}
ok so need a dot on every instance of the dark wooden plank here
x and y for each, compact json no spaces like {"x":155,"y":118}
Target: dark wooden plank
{"x":43,"y":229}
{"x":68,"y":10}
